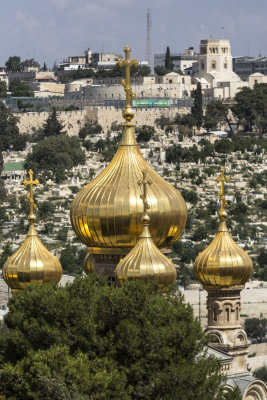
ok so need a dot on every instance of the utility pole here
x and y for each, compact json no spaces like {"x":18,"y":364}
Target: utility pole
{"x":148,"y":41}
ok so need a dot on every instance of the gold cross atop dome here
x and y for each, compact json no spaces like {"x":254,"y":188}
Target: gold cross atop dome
{"x":31,"y":182}
{"x":222,"y":178}
{"x":143,"y":196}
{"x":126,"y":83}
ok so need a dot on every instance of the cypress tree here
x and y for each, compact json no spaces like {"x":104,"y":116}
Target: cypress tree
{"x":197,"y":109}
{"x":168,"y":60}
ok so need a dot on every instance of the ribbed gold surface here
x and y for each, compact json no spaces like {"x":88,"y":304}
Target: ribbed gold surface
{"x":223,"y":263}
{"x":31,"y":263}
{"x":145,"y":261}
{"x":107,"y":212}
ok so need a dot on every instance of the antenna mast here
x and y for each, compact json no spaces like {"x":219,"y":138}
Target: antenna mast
{"x":148,"y":40}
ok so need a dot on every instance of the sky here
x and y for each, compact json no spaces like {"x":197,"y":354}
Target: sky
{"x":51,"y":30}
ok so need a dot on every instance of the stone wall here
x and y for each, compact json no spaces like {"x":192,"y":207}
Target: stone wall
{"x":73,"y":120}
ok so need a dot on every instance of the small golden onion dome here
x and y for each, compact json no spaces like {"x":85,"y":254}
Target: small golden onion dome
{"x":145,"y":261}
{"x":107,"y":212}
{"x":32,"y":262}
{"x":223,"y":263}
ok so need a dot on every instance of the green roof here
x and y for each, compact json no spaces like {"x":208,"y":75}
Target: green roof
{"x":14,"y":166}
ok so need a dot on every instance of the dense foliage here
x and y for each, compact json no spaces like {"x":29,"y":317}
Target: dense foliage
{"x":20,"y":89}
{"x":145,"y":133}
{"x":256,"y":327}
{"x":14,"y":64}
{"x":114,"y":72}
{"x":54,"y":155}
{"x":250,"y":107}
{"x":52,"y":126}
{"x":10,"y":136}
{"x":3,"y":90}
{"x":197,"y":109}
{"x":92,"y":341}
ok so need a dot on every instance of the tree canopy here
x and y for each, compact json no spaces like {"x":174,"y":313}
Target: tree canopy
{"x":10,"y":136}
{"x":54,"y":155}
{"x":92,"y":341}
{"x":3,"y":90}
{"x":14,"y":64}
{"x":216,"y":113}
{"x":250,"y":107}
{"x":52,"y":126}
{"x":168,"y":59}
{"x":197,"y":109}
{"x":20,"y":89}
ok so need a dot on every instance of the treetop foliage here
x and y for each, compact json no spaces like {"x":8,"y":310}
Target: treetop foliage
{"x":52,"y":126}
{"x":10,"y":136}
{"x":250,"y":107}
{"x":54,"y":155}
{"x":14,"y":64}
{"x":20,"y":89}
{"x":92,"y":341}
{"x":197,"y":109}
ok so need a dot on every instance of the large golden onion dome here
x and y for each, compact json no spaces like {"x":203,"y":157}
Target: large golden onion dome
{"x":32,"y":262}
{"x":106,"y":213}
{"x":223,"y":263}
{"x":145,"y":261}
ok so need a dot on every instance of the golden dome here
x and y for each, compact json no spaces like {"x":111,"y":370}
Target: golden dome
{"x":107,"y":212}
{"x":223,"y":263}
{"x":145,"y":261}
{"x":32,"y":262}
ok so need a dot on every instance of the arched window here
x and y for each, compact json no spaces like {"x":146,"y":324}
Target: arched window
{"x":213,"y":64}
{"x":215,"y":315}
{"x":202,"y":65}
{"x":227,"y":314}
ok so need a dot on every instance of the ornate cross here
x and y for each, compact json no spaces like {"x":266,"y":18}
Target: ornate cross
{"x":222,"y":178}
{"x":126,"y":83}
{"x":31,"y":182}
{"x":143,"y":196}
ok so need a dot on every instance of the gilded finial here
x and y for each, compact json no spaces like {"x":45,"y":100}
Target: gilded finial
{"x":222,"y":179}
{"x":31,"y":182}
{"x":128,"y":113}
{"x":143,"y":196}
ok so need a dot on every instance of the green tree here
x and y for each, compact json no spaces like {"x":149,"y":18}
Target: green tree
{"x":9,"y":130}
{"x":44,"y":67}
{"x":54,"y":155}
{"x":255,"y":327}
{"x":3,"y":90}
{"x":224,"y":146}
{"x":90,"y":129}
{"x":145,"y":133}
{"x":162,"y":121}
{"x":72,"y":260}
{"x":168,"y":59}
{"x":46,"y":209}
{"x":160,"y":70}
{"x":216,"y":113}
{"x":197,"y":109}
{"x":13,"y":64}
{"x":52,"y":126}
{"x":7,"y":252}
{"x":200,"y":234}
{"x":30,"y":62}
{"x":20,"y":89}
{"x":173,"y":154}
{"x":89,"y":340}
{"x":262,"y":258}
{"x":244,"y":109}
